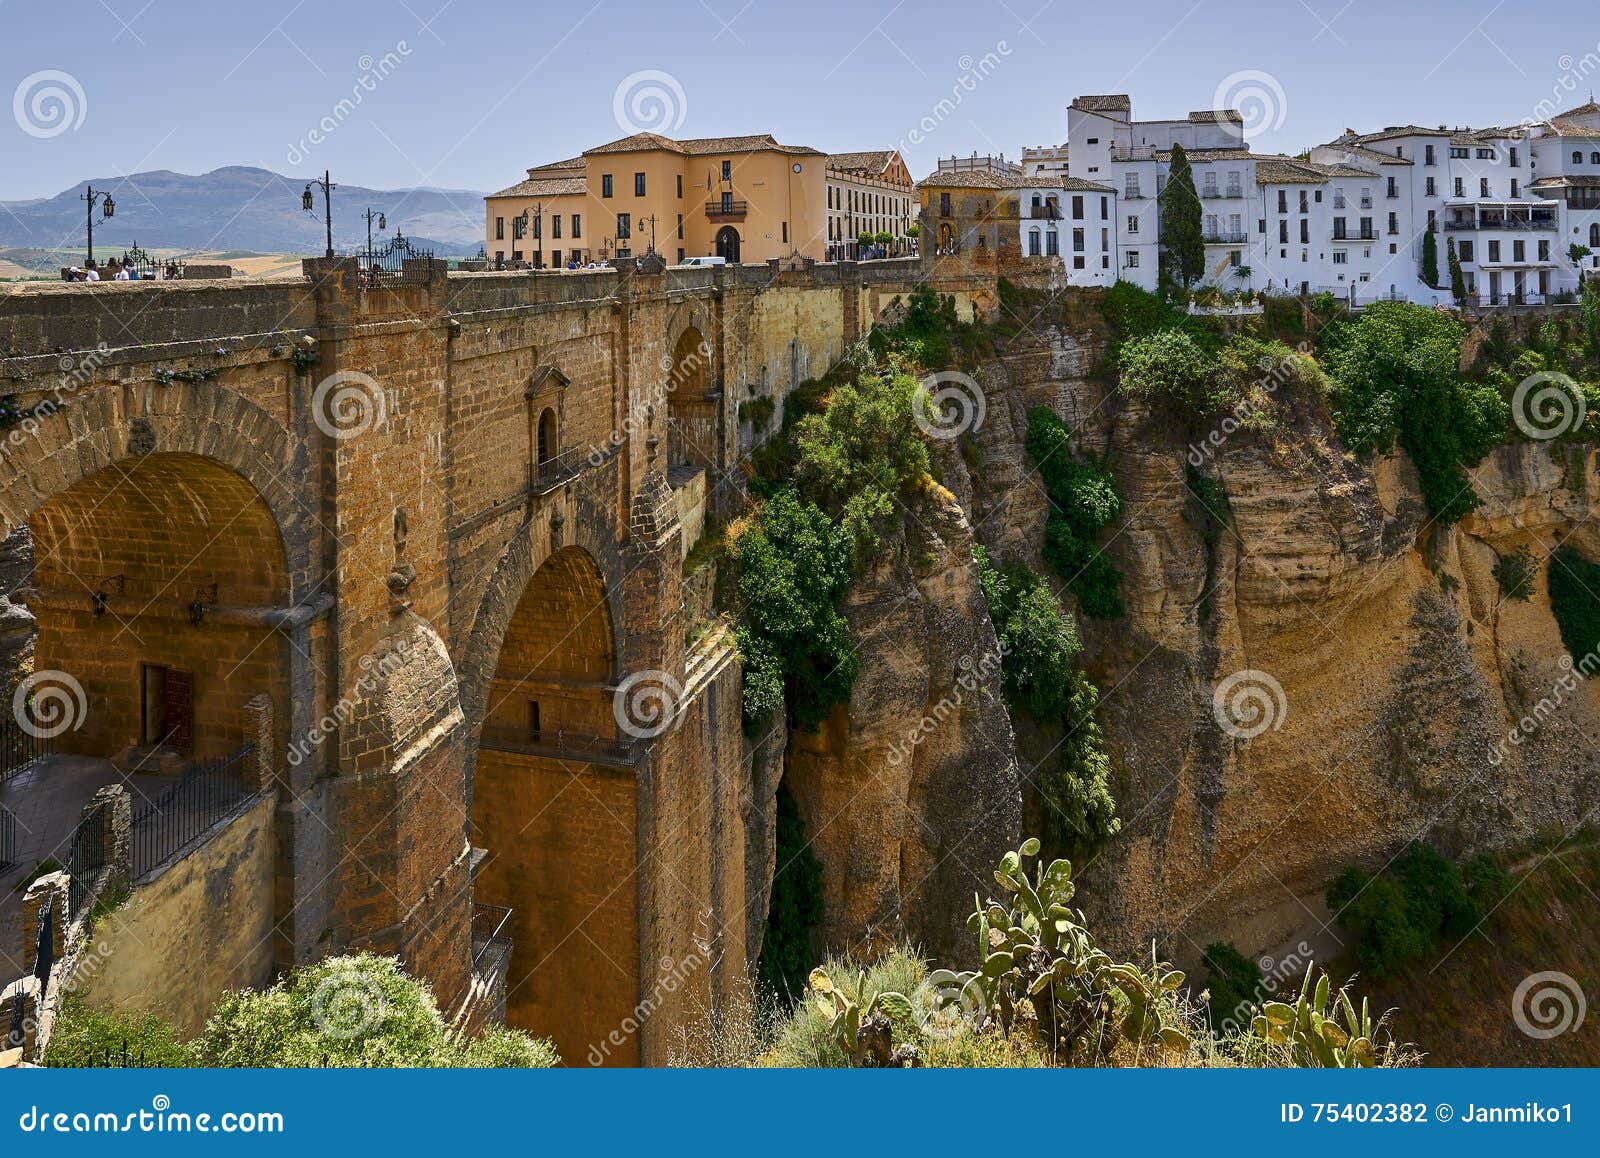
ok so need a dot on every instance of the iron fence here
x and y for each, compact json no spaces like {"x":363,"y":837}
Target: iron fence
{"x":86,"y":856}
{"x":20,"y":749}
{"x":551,"y":472}
{"x":8,"y":838}
{"x":149,"y":267}
{"x":395,"y":263}
{"x":206,"y":792}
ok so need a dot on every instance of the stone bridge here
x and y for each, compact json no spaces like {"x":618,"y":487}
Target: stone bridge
{"x":441,"y":523}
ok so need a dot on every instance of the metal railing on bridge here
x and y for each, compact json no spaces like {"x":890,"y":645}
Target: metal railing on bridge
{"x":20,"y":749}
{"x":206,"y":792}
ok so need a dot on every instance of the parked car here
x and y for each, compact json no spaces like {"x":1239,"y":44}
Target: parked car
{"x":706,"y":260}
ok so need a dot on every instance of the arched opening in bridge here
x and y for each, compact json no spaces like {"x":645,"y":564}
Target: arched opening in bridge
{"x":157,"y":583}
{"x":728,"y":244}
{"x":694,"y":409}
{"x":157,"y":586}
{"x":553,"y":806}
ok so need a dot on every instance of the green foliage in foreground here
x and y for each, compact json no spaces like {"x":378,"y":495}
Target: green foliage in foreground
{"x":1046,"y":994}
{"x":1040,"y":646}
{"x":1401,"y":913}
{"x":1574,"y":584}
{"x":84,"y":1036}
{"x":793,"y":566}
{"x":1083,"y":501}
{"x":1396,"y":374}
{"x":358,"y":1011}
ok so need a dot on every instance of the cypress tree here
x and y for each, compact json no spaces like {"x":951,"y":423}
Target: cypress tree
{"x":1430,"y":258}
{"x":1458,"y":280}
{"x":1183,"y":248}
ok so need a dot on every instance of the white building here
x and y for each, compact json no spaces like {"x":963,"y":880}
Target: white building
{"x":1075,"y":220}
{"x":1351,"y":217}
{"x":1566,"y":155}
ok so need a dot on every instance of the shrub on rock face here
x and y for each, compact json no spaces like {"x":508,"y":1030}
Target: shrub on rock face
{"x":1574,"y":584}
{"x":1397,"y":379}
{"x":794,"y":566}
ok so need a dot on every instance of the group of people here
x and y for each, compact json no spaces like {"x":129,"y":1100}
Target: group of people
{"x":117,"y":270}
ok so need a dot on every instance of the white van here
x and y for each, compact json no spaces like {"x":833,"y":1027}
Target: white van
{"x":707,"y":260}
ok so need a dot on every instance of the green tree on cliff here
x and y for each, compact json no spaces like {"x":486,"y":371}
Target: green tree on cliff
{"x":1183,"y":247}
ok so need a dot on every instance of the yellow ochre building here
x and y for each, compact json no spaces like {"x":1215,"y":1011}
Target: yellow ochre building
{"x":745,"y":199}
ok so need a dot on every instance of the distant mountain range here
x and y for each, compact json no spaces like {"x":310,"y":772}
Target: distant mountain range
{"x":242,"y":208}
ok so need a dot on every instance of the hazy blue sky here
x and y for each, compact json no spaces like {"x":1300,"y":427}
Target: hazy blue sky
{"x":476,"y":90}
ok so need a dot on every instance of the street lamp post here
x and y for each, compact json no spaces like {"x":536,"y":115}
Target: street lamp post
{"x":108,"y":208}
{"x":308,"y":203}
{"x":372,"y":215}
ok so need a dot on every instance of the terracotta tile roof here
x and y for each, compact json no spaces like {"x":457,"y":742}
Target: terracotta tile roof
{"x":1563,"y":127}
{"x":977,"y":179}
{"x":557,"y":167}
{"x":1401,"y":131}
{"x":1576,"y":182}
{"x":1355,"y":150}
{"x":1105,"y":103}
{"x":544,"y":187}
{"x":1221,"y":116}
{"x":1288,"y":171}
{"x":695,"y":146}
{"x":1208,"y":154}
{"x":1080,"y":185}
{"x":873,"y":161}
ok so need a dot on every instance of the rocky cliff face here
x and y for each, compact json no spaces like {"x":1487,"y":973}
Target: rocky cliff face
{"x":910,"y":792}
{"x":1401,"y":666}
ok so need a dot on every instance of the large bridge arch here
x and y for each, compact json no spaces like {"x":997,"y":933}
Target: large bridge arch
{"x":112,"y":426}
{"x":553,"y":790}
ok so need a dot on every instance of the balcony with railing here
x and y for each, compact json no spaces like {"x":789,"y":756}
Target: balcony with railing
{"x":728,"y":209}
{"x":1226,"y":237}
{"x":491,"y":937}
